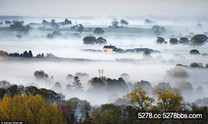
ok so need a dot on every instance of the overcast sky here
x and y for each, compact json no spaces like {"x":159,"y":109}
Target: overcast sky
{"x":61,"y":8}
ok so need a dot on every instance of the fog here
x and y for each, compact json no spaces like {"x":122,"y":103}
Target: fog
{"x":74,"y":56}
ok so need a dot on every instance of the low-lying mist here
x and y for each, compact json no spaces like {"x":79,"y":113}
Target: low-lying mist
{"x":74,"y":56}
{"x":152,"y":70}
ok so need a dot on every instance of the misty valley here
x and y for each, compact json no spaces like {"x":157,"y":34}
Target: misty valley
{"x":102,"y":70}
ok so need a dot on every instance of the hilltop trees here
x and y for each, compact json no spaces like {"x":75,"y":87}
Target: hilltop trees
{"x":24,"y":54}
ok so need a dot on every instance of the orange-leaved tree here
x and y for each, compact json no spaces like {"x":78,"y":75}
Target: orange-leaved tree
{"x":30,"y":109}
{"x":140,"y":99}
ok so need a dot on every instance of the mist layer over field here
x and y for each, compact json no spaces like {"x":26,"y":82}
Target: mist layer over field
{"x":151,"y":68}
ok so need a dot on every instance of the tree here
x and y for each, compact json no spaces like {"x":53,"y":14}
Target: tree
{"x":183,"y":40}
{"x":69,"y":77}
{"x":123,"y":22}
{"x":3,"y":53}
{"x":168,"y":100}
{"x":114,"y":23}
{"x":158,"y":30}
{"x":67,"y":22}
{"x":50,"y":36}
{"x":31,"y":90}
{"x":198,"y":39}
{"x":30,"y":109}
{"x":77,"y":84}
{"x":30,"y":55}
{"x":2,"y":92}
{"x":139,"y":99}
{"x":125,"y":76}
{"x":98,"y":83}
{"x":99,"y":31}
{"x":178,"y":72}
{"x":194,"y":65}
{"x":89,"y":40}
{"x":148,"y":21}
{"x":80,"y":28}
{"x":173,"y":41}
{"x":147,"y":53}
{"x":162,"y":85}
{"x":75,"y":110}
{"x":161,"y":40}
{"x":13,"y":90}
{"x":107,"y":114}
{"x":40,"y":74}
{"x":145,"y":85}
{"x":18,"y":26}
{"x":185,"y":88}
{"x":4,"y":84}
{"x":57,"y":87}
{"x":101,"y":40}
{"x":113,"y":85}
{"x":194,"y":52}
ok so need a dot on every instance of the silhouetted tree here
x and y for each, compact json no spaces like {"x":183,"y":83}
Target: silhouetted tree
{"x":99,"y":31}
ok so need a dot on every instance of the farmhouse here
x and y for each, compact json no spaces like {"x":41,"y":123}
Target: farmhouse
{"x":109,"y":48}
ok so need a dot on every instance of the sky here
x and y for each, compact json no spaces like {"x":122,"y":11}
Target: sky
{"x":63,"y":8}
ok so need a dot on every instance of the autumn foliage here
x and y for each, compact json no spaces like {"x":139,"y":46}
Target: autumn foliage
{"x":30,"y":109}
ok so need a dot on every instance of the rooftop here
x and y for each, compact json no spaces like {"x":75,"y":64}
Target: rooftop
{"x":109,"y":46}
